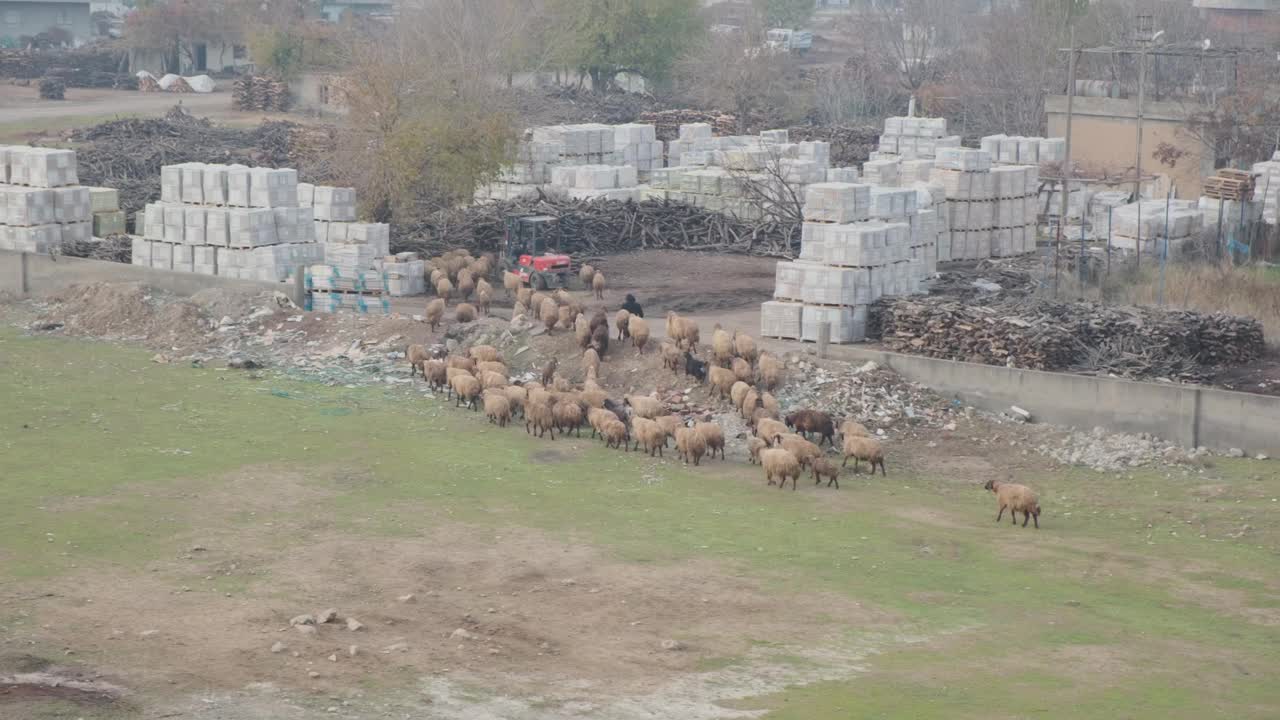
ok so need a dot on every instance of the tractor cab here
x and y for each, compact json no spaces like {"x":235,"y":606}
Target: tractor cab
{"x":530,"y":249}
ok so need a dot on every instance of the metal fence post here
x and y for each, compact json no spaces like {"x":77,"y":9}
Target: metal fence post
{"x":824,"y":338}
{"x":300,"y":286}
{"x":24,"y":277}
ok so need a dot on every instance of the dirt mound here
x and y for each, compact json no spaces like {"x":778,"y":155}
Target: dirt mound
{"x":128,"y":310}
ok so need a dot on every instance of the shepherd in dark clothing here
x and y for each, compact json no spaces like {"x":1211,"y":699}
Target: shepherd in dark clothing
{"x":632,"y":306}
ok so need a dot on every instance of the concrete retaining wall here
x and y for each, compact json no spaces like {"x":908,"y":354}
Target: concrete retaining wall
{"x":1187,"y":415}
{"x":46,"y":275}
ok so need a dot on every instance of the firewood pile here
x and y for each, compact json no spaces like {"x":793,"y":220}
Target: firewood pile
{"x":850,"y":145}
{"x":1126,"y":341}
{"x":180,"y":85}
{"x":87,"y":67}
{"x":599,"y":227}
{"x":668,"y":122}
{"x":53,"y":89}
{"x":148,"y":84}
{"x":257,"y":92}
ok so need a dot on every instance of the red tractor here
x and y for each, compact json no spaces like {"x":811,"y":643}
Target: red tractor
{"x":530,"y":249}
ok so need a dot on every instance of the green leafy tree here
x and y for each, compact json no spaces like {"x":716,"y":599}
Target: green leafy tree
{"x":785,"y":13}
{"x":606,"y":37}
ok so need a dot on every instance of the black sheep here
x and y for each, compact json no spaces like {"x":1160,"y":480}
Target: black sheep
{"x":632,"y":306}
{"x":695,"y":367}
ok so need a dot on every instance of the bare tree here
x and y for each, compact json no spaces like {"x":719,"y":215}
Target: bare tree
{"x":735,"y":72}
{"x":913,"y":35}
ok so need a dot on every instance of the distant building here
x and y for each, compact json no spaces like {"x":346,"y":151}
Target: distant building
{"x":334,"y":10}
{"x":21,"y":19}
{"x":1256,"y":19}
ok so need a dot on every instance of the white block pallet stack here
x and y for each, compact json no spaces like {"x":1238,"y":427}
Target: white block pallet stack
{"x":915,"y":137}
{"x":1147,"y":227}
{"x":965,"y":176}
{"x":1014,"y":192}
{"x":1266,"y":188}
{"x":41,"y":203}
{"x":847,"y":261}
{"x":1019,"y":150}
{"x":596,"y":182}
{"x":228,"y":220}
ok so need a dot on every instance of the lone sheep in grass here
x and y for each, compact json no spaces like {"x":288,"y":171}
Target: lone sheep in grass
{"x":598,"y":284}
{"x":497,"y":407}
{"x":465,"y":313}
{"x":435,"y":312}
{"x":863,"y":448}
{"x":639,"y":333}
{"x":779,"y":465}
{"x":1018,"y":499}
{"x":691,"y":445}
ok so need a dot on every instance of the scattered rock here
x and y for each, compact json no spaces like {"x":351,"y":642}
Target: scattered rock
{"x":396,"y":647}
{"x":406,"y":598}
{"x":1019,"y":413}
{"x":279,"y":647}
{"x":354,"y":625}
{"x":1261,"y":456}
{"x":44,"y":326}
{"x":353,"y":651}
{"x":327,"y":616}
{"x":313,"y":674}
{"x":302,"y":620}
{"x":333,"y":657}
{"x":239,"y":362}
{"x":1235,"y":453}
{"x":305,"y":629}
{"x":161,"y":359}
{"x":148,"y":633}
{"x":462,"y":634}
{"x":672,"y":645}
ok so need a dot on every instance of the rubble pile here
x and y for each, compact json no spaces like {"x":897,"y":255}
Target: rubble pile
{"x":1103,"y":451}
{"x":876,"y":396}
{"x":1132,"y":342}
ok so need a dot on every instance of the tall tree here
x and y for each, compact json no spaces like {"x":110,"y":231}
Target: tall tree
{"x":174,"y":27}
{"x":606,"y":37}
{"x":785,"y":13}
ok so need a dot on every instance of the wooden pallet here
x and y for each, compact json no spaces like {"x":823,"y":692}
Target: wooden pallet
{"x":1229,"y":184}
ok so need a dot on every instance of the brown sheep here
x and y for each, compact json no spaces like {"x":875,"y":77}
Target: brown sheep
{"x":713,"y":436}
{"x":742,"y":369}
{"x":669,"y":424}
{"x":443,"y":289}
{"x":417,"y":355}
{"x":596,"y":418}
{"x":462,"y":363}
{"x":497,"y":407}
{"x":449,"y":374}
{"x":649,"y":435}
{"x":591,"y":359}
{"x":689,"y":334}
{"x":622,"y":319}
{"x":767,"y":428}
{"x":780,"y":464}
{"x":511,"y":282}
{"x":537,"y":415}
{"x":691,"y":445}
{"x":737,"y":393}
{"x":600,"y":339}
{"x":435,"y":311}
{"x":586,"y":274}
{"x":484,"y":353}
{"x":516,"y":396}
{"x":436,"y":374}
{"x":465,"y":313}
{"x":804,"y":450}
{"x":1017,"y":498}
{"x":524,"y":296}
{"x":639,"y":330}
{"x":644,"y":406}
{"x":582,"y":331}
{"x":754,"y":446}
{"x":492,"y":380}
{"x":436,"y":276}
{"x":466,"y":387}
{"x":491,"y":366}
{"x":565,"y":319}
{"x":750,"y":401}
{"x":598,"y":319}
{"x":853,"y":428}
{"x":466,"y":285}
{"x":769,"y":372}
{"x":863,"y":448}
{"x":823,"y":467}
{"x":615,"y":434}
{"x":721,"y":380}
{"x":568,"y":417}
{"x":763,"y":414}
{"x":538,"y":394}
{"x":561,"y":384}
{"x":536,"y":300}
{"x":484,"y":297}
{"x":721,"y":346}
{"x":549,"y":314}
{"x":597,"y":285}
{"x":593,"y":398}
{"x":817,"y":422}
{"x":744,"y":346}
{"x":671,"y":356}
{"x":770,"y":403}
{"x":549,"y":371}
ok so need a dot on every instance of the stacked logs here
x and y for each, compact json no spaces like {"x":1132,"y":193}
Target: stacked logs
{"x":256,"y":92}
{"x":52,"y":88}
{"x":667,"y":122}
{"x":1133,"y":342}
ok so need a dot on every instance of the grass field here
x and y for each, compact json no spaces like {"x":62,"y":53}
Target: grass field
{"x":1155,"y":595}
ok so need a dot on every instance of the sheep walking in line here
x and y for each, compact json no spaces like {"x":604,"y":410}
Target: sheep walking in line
{"x":780,"y":464}
{"x":639,"y":333}
{"x":435,"y":313}
{"x":598,"y":285}
{"x":417,"y":355}
{"x":822,"y":467}
{"x":1018,"y":499}
{"x":863,"y":448}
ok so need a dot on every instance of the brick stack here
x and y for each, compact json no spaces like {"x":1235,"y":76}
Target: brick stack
{"x":41,"y":201}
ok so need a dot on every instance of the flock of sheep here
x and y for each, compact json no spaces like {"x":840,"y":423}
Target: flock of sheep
{"x":732,"y":366}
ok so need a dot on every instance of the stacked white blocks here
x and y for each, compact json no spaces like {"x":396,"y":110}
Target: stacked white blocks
{"x":41,"y":205}
{"x":1147,"y":225}
{"x":991,"y":211}
{"x":1266,"y":188}
{"x":1015,"y":191}
{"x":593,"y":182}
{"x":1019,"y":150}
{"x":916,"y":137}
{"x":856,"y":245}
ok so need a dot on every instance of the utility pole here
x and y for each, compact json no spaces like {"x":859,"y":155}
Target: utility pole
{"x":1066,"y":165}
{"x":1144,"y":34}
